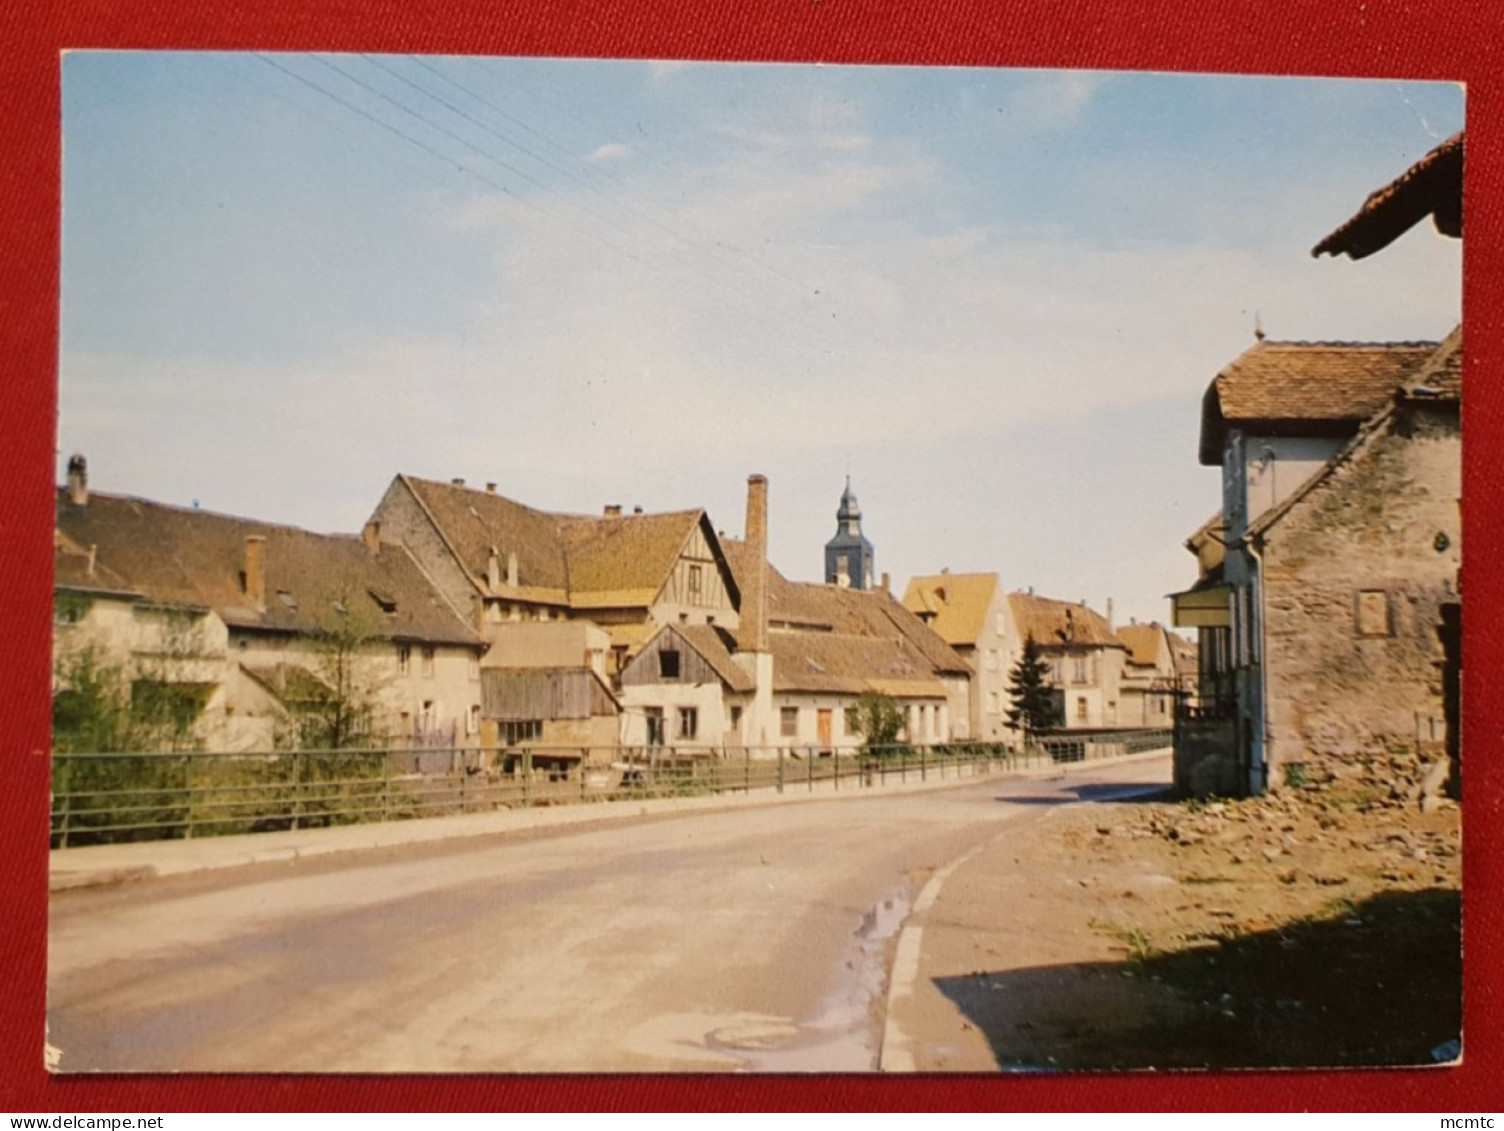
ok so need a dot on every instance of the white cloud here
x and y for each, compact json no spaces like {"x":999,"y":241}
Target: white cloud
{"x":612,"y":151}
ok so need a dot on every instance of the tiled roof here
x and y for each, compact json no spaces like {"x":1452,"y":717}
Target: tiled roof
{"x":586,"y":561}
{"x":841,"y":663}
{"x":476,"y":521}
{"x":1431,"y":187}
{"x":1144,"y":642}
{"x":196,"y":558}
{"x":714,"y":645}
{"x":630,"y":554}
{"x":75,"y":568}
{"x":832,"y":639}
{"x":1305,"y":386}
{"x":1441,"y":375}
{"x":1058,"y":624}
{"x":958,"y":602}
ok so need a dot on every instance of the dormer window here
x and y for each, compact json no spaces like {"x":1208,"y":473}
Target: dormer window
{"x":384,"y":601}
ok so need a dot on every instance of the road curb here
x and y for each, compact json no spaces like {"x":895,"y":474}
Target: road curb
{"x":898,"y":1046}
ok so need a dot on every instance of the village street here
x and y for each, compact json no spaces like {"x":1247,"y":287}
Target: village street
{"x":756,"y":938}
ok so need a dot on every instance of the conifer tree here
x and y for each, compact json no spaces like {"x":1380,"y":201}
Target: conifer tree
{"x":1033,"y":700}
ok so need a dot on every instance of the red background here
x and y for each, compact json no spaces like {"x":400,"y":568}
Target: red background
{"x":1432,"y":39}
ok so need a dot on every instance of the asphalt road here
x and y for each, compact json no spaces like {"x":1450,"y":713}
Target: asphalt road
{"x":755,"y":939}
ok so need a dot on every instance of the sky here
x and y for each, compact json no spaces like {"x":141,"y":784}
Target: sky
{"x":992,"y":298}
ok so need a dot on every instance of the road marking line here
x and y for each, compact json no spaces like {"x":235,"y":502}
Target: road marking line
{"x":897,"y":1053}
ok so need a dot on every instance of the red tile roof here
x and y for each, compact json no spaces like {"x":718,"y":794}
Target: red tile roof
{"x":1061,"y":624}
{"x":1431,"y":187}
{"x":1305,"y":387}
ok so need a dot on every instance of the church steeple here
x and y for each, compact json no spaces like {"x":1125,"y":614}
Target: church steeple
{"x":848,"y":556}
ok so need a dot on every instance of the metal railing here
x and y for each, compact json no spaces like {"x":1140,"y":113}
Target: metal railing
{"x":114,"y":798}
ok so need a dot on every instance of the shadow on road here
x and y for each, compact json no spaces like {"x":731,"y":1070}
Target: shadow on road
{"x":1123,"y":792}
{"x":1376,"y":984}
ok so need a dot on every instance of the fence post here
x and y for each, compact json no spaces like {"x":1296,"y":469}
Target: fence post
{"x":747,"y":770}
{"x":66,"y":794}
{"x":188,"y":796}
{"x":463,"y":806}
{"x":297,"y":788}
{"x":923,"y":765}
{"x":809,"y":772}
{"x":780,"y":769}
{"x":527,"y":779}
{"x":386,"y":785}
{"x":584,"y":761}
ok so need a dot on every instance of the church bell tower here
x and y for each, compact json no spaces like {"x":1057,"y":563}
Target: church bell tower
{"x":848,"y":556}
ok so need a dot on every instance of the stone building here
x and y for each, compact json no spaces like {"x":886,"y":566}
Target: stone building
{"x":1276,"y":420}
{"x":1356,"y":568}
{"x":1335,"y":556}
{"x":244,"y":628}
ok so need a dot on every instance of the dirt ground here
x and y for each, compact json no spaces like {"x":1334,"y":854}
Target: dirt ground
{"x":1309,"y":928}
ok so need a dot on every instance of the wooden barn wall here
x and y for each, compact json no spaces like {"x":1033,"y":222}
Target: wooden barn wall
{"x":514,"y":696}
{"x":643,"y":670}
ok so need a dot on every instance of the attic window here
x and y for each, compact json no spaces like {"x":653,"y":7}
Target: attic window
{"x":387,"y":602}
{"x":668,"y":664}
{"x":288,"y":600}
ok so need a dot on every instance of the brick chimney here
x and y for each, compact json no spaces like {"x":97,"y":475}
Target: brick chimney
{"x":255,"y":569}
{"x":754,"y":613}
{"x":512,"y":568}
{"x":371,"y":536}
{"x":493,"y":570}
{"x":78,"y":481}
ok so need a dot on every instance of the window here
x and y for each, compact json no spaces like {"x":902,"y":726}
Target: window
{"x":689,"y":722}
{"x":853,"y":722}
{"x":1081,"y":708}
{"x":427,"y":660}
{"x":1080,"y":670}
{"x":472,"y":725}
{"x":1373,"y":613}
{"x":404,"y":658}
{"x":696,"y":584}
{"x":788,"y":722}
{"x":518,"y":731}
{"x":736,"y":717}
{"x":655,"y":725}
{"x":668,"y":664}
{"x":70,"y":608}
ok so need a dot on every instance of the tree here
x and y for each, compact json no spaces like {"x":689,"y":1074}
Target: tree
{"x":333,"y":704}
{"x":147,"y":703}
{"x":879,"y":720}
{"x":1033,"y":700}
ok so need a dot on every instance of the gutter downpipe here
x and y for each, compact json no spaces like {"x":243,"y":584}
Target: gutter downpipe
{"x":1256,"y":552}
